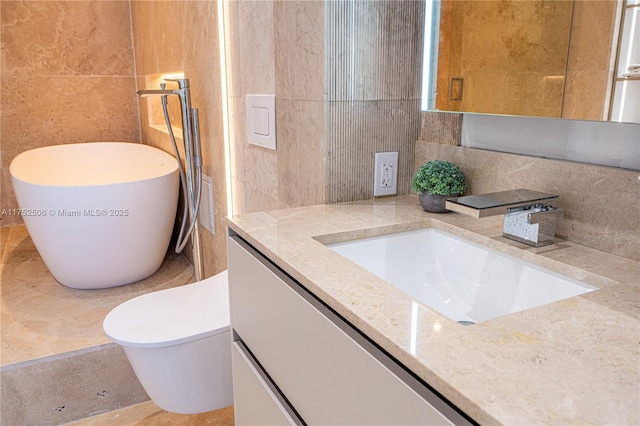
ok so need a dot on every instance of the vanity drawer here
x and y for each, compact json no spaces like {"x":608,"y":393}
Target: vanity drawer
{"x":312,"y":357}
{"x":255,"y":400}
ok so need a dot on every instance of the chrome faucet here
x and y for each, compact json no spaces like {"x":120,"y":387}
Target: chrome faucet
{"x":530,"y":217}
{"x":193,"y":160}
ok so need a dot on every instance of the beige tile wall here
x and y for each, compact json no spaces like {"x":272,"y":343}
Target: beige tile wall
{"x":66,"y":77}
{"x":277,"y":48}
{"x":182,"y":36}
{"x":335,"y":108}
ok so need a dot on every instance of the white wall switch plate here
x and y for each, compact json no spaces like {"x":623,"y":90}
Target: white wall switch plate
{"x":385,"y":179}
{"x":261,"y":120}
{"x":206,"y":212}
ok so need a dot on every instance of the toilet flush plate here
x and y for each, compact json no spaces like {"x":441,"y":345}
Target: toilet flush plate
{"x":261,"y":120}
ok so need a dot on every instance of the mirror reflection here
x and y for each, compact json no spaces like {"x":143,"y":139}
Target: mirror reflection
{"x":575,"y":59}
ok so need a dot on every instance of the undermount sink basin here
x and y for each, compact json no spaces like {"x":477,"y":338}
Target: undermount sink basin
{"x":463,"y":280}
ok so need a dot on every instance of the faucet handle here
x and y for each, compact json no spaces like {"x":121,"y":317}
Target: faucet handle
{"x":553,"y":214}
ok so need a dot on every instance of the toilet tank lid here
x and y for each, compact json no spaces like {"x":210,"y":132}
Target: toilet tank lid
{"x":172,"y":316}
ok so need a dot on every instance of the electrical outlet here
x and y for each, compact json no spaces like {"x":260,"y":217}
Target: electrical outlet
{"x":387,"y":169}
{"x":385,"y":173}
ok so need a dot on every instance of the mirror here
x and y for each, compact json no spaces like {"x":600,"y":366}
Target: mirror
{"x":574,"y":59}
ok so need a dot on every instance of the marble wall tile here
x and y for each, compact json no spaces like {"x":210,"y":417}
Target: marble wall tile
{"x":249,"y":163}
{"x":299,"y":56}
{"x":256,"y":47}
{"x":41,"y":111}
{"x":66,"y":38}
{"x":600,"y":203}
{"x":174,"y":37}
{"x":144,"y":38}
{"x":171,"y":33}
{"x":187,"y":38}
{"x":261,"y":169}
{"x":301,"y":163}
{"x":66,"y":77}
{"x":250,"y":58}
{"x":238,"y":135}
{"x":276,"y":48}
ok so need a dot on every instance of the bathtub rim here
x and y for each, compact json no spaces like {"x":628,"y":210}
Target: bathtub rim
{"x":157,"y":151}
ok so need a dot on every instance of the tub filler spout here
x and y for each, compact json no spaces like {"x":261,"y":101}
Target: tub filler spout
{"x":191,"y":175}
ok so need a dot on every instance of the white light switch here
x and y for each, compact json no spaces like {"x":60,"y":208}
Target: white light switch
{"x":261,"y":120}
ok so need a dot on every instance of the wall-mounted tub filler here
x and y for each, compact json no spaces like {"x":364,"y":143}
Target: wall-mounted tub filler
{"x":191,"y":178}
{"x":530,"y":217}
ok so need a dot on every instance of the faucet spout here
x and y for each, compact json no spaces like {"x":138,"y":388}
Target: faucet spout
{"x":158,"y":92}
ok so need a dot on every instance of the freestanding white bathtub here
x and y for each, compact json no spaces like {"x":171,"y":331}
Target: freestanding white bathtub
{"x":100,"y":214}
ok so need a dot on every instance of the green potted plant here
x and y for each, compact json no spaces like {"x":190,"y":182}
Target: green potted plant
{"x":436,"y":181}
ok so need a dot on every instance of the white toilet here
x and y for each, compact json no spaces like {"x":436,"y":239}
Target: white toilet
{"x":179,"y":344}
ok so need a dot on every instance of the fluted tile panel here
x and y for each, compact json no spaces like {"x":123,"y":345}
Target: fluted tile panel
{"x":373,"y":49}
{"x":373,"y":57}
{"x":355,"y":132}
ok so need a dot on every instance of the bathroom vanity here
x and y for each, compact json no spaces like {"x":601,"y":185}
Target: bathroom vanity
{"x":321,"y":340}
{"x":306,"y":364}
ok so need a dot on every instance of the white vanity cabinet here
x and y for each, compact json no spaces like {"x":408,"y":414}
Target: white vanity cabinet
{"x":296,"y":361}
{"x":256,"y":400}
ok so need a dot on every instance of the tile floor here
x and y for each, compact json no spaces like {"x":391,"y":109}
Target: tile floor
{"x":148,"y":414}
{"x":42,"y":318}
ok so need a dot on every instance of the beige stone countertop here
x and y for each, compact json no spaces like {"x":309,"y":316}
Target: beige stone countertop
{"x":575,"y":361}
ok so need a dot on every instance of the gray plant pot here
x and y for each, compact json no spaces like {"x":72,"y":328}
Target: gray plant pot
{"x":434,"y":203}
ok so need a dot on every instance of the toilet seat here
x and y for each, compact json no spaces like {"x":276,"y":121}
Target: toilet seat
{"x":172,"y":316}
